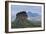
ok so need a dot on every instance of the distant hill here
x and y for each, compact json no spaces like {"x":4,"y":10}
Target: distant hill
{"x":30,"y":14}
{"x":34,"y":16}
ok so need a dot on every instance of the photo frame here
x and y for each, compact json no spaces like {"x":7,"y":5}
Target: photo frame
{"x":35,"y":10}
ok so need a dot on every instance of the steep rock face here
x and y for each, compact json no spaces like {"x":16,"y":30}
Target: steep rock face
{"x":22,"y":22}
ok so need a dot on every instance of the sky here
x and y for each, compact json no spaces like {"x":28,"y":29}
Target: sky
{"x":17,"y":8}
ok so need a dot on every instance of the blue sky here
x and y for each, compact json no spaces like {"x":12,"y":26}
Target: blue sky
{"x":17,"y":8}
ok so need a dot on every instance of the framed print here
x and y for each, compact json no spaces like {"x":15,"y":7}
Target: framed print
{"x":24,"y":16}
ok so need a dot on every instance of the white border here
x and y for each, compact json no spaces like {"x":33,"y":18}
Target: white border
{"x":25,"y":29}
